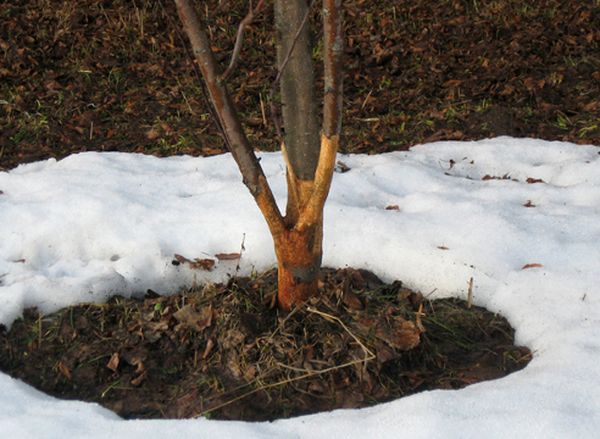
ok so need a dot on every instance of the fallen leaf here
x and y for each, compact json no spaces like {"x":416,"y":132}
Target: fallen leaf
{"x":197,"y":264}
{"x":152,"y":134}
{"x":534,"y":265}
{"x":399,"y":333}
{"x":443,"y":247}
{"x":228,"y":256}
{"x":64,"y":370}
{"x":529,"y":204}
{"x":113,"y":363}
{"x":197,"y":320}
{"x":534,"y":180}
{"x":203,"y":264}
{"x":138,"y":380}
{"x":392,"y":207}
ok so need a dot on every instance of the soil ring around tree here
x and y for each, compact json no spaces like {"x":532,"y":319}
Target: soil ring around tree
{"x":225,"y":352}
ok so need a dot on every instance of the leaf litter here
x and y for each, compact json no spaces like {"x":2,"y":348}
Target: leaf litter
{"x":225,"y":351}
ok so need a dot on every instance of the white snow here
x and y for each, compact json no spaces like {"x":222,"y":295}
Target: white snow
{"x":91,"y":225}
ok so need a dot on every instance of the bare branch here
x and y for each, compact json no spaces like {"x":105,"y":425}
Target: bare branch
{"x":240,"y":149}
{"x":239,"y":38}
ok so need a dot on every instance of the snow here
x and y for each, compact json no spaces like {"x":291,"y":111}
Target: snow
{"x":94,"y":224}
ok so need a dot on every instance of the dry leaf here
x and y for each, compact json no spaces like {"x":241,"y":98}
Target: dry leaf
{"x":534,"y":180}
{"x":113,"y":363}
{"x":64,"y":370}
{"x":197,"y":320}
{"x":197,"y":264}
{"x":443,"y":247}
{"x":529,"y":204}
{"x":138,"y":380}
{"x":400,"y":333}
{"x":228,"y":256}
{"x":152,"y":134}
{"x":203,"y":264}
{"x":392,"y":207}
{"x":534,"y":265}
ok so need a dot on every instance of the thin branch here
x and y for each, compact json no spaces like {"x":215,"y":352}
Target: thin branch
{"x":272,"y":106}
{"x":239,"y":38}
{"x":252,"y":173}
{"x":333,"y":52}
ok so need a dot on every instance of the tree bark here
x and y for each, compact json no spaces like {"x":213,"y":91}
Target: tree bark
{"x":298,"y":236}
{"x":299,"y":105}
{"x":237,"y":142}
{"x":299,"y":249}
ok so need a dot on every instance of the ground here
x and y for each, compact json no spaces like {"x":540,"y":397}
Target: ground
{"x":226,"y":352}
{"x":115,"y":76}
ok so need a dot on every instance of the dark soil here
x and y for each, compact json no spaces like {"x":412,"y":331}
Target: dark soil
{"x":224,"y":351}
{"x":114,"y":75}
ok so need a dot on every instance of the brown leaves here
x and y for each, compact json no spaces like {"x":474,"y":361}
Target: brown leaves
{"x":64,"y":370}
{"x":399,"y":333}
{"x":205,"y":264}
{"x":528,"y":204}
{"x":531,"y":180}
{"x":196,"y":320}
{"x":113,"y":363}
{"x":228,"y":256}
{"x":534,"y":265}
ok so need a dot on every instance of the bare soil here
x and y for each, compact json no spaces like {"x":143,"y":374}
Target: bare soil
{"x":114,"y":75}
{"x":225,"y":352}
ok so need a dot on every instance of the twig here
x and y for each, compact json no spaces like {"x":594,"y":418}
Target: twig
{"x":470,"y":294}
{"x":239,"y":39}
{"x":242,"y":249}
{"x":272,"y":106}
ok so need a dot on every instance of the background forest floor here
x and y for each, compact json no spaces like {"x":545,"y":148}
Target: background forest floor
{"x":114,"y":76}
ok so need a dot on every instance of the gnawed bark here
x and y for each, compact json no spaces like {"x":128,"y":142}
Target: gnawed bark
{"x":298,"y":100}
{"x":298,"y":237}
{"x":240,"y":149}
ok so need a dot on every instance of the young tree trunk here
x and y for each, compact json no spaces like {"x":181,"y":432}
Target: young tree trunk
{"x":310,"y":161}
{"x":298,"y":251}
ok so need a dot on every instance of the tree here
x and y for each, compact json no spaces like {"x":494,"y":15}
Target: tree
{"x":309,"y":154}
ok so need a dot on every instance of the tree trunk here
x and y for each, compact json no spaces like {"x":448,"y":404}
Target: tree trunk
{"x":298,"y":250}
{"x":299,"y":105}
{"x":298,"y":236}
{"x":299,"y":261}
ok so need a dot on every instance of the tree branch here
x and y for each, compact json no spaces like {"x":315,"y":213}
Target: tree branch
{"x":239,"y":39}
{"x":333,"y":53}
{"x":280,"y":70}
{"x":332,"y":112}
{"x":240,"y":149}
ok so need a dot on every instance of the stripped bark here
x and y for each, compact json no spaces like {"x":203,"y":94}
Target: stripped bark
{"x":238,"y":144}
{"x":299,"y":250}
{"x":298,"y":236}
